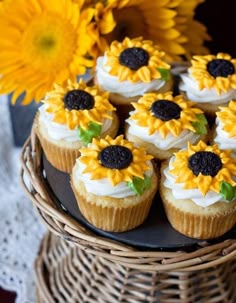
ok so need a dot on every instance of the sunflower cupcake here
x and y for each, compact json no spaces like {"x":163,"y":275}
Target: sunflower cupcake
{"x":71,"y":116}
{"x":131,"y":68}
{"x":210,"y":81}
{"x":163,"y":124}
{"x":198,"y":190}
{"x":225,"y":128}
{"x":114,"y":183}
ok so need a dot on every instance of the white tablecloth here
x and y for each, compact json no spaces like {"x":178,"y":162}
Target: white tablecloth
{"x":20,"y":228}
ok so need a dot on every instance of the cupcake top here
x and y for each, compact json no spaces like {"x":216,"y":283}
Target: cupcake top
{"x":203,"y":173}
{"x":166,"y":121}
{"x":211,"y":78}
{"x":226,"y":126}
{"x":134,"y":62}
{"x":114,"y":167}
{"x":76,"y":111}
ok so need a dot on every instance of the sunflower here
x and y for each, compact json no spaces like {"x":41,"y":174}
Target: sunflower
{"x":152,"y":66}
{"x":42,"y":42}
{"x":4,"y":4}
{"x":93,"y":160}
{"x":204,"y":167}
{"x":102,"y":23}
{"x":194,"y":31}
{"x":146,"y":116}
{"x":163,"y":22}
{"x":101,"y":109}
{"x":214,"y":71}
{"x":227,"y":116}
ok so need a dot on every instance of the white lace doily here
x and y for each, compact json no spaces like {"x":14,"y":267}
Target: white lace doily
{"x":20,"y":228}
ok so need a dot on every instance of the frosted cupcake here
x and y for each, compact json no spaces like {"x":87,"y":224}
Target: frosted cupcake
{"x":198,"y":190}
{"x":131,"y":68}
{"x":69,"y":119}
{"x":210,"y":81}
{"x":225,"y":129}
{"x":163,"y":124}
{"x":114,"y":183}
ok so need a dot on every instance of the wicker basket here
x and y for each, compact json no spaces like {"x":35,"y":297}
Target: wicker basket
{"x":91,"y":268}
{"x":66,"y":273}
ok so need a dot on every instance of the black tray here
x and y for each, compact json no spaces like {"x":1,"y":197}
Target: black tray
{"x":154,"y":233}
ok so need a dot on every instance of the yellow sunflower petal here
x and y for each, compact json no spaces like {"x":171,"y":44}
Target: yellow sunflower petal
{"x":49,"y":45}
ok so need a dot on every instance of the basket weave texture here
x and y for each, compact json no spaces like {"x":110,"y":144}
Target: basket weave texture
{"x":66,"y":273}
{"x":85,"y":267}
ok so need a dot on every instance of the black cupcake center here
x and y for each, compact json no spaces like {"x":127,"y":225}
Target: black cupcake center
{"x":220,"y":68}
{"x":205,"y":162}
{"x":134,"y":57}
{"x":116,"y":157}
{"x":79,"y":100}
{"x":166,"y":110}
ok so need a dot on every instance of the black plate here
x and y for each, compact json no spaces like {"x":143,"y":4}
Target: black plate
{"x":154,"y":233}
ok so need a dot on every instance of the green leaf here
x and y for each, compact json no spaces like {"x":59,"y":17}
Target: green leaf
{"x":165,"y":74}
{"x":227,"y":191}
{"x":201,"y":124}
{"x":139,"y":185}
{"x":86,"y":135}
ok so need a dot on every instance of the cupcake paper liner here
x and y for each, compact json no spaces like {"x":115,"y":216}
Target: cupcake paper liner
{"x":111,"y":218}
{"x":61,"y":158}
{"x":199,"y":226}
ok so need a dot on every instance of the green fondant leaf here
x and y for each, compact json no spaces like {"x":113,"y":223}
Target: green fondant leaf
{"x":200,"y":125}
{"x":139,"y":185}
{"x":165,"y":74}
{"x":86,"y":135}
{"x":227,"y":191}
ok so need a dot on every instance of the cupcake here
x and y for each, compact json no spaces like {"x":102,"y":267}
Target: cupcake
{"x":163,"y":124}
{"x":131,"y":68}
{"x":198,"y":190}
{"x":114,"y":183}
{"x":225,"y":130}
{"x":71,"y":115}
{"x":210,"y":81}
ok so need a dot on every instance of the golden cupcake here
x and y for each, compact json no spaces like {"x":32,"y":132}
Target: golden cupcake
{"x":198,"y":190}
{"x":163,"y":124}
{"x":70,"y":117}
{"x":210,"y":81}
{"x":114,"y":183}
{"x":131,"y":68}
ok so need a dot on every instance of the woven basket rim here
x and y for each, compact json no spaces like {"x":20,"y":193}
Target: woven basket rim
{"x":61,"y":224}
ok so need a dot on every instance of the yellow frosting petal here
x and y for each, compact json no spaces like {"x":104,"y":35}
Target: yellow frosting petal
{"x":144,"y":117}
{"x":205,"y":80}
{"x":202,"y":182}
{"x":145,"y":73}
{"x":137,"y":167}
{"x":101,"y":110}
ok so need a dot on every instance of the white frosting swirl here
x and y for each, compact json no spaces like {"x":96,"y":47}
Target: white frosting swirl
{"x":57,"y":131}
{"x":179,"y":192}
{"x":222,"y":138}
{"x":125,"y":88}
{"x":170,"y":141}
{"x":103,"y":187}
{"x":190,"y":86}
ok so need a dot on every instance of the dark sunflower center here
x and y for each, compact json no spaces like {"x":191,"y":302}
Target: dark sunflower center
{"x":166,"y":110}
{"x":116,"y":157}
{"x":220,"y":68}
{"x":134,"y":57}
{"x":79,"y":100}
{"x":207,"y":163}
